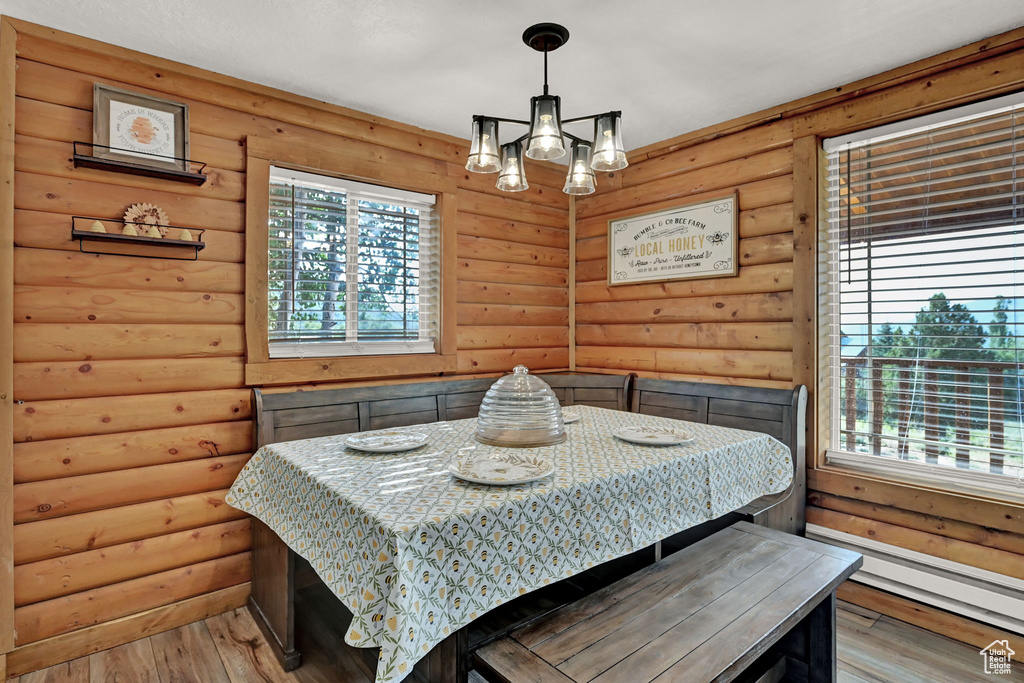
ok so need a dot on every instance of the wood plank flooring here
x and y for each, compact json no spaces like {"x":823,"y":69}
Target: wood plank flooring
{"x":229,"y":648}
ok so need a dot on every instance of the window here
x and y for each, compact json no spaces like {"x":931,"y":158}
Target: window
{"x":350,"y":262}
{"x":352,"y":268}
{"x":925,"y":296}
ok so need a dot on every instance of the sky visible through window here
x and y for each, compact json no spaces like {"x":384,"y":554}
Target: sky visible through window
{"x":974,"y":271}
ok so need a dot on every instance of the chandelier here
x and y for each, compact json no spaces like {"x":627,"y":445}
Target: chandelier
{"x":545,"y":138}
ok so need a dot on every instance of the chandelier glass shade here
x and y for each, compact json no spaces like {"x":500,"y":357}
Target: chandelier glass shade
{"x":512,"y":177}
{"x":608,"y":152}
{"x":546,"y":138}
{"x":546,"y":128}
{"x":580,"y":179}
{"x":483,"y":152}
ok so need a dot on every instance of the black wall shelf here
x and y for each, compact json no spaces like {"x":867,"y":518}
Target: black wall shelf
{"x":86,"y":236}
{"x":194,"y":177}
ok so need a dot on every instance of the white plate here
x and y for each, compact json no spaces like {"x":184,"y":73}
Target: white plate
{"x":653,"y":436}
{"x":570,"y":415}
{"x":386,"y":441}
{"x":502,"y":469}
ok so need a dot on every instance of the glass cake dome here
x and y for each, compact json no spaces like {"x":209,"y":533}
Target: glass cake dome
{"x":520,"y":410}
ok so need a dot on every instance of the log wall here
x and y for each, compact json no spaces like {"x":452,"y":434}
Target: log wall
{"x":132,"y":417}
{"x":760,"y":327}
{"x":737,"y":330}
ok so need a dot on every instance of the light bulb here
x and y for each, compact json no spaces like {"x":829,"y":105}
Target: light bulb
{"x":512,"y":171}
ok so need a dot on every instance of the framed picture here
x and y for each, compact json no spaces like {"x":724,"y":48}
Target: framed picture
{"x":139,"y":128}
{"x":698,"y":240}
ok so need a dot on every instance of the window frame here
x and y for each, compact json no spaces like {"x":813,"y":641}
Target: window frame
{"x":396,"y":169}
{"x":867,"y":467}
{"x":353,"y":342}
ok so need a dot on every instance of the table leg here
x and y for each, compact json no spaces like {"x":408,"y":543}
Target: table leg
{"x":447,"y":662}
{"x":821,"y":642}
{"x":272,"y":602}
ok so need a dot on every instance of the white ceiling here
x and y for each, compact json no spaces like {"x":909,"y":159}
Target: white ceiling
{"x":671,"y":66}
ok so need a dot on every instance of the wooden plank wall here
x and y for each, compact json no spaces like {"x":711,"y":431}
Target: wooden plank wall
{"x":737,"y":330}
{"x":132,"y":418}
{"x":759,"y":328}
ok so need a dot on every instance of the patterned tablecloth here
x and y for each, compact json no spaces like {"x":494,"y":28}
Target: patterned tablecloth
{"x":415,"y":553}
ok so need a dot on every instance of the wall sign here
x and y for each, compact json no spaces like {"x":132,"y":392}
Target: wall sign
{"x":692,"y":241}
{"x":139,"y":128}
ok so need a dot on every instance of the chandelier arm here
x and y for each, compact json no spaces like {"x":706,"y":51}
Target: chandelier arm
{"x":501,"y":120}
{"x":574,"y":138}
{"x":581,"y":118}
{"x":591,"y":117}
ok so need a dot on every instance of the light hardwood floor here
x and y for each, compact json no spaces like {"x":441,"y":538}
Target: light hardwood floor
{"x":230,"y":649}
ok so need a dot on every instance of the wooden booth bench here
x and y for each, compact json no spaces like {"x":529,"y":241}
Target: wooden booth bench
{"x":747,"y":603}
{"x":307,"y":414}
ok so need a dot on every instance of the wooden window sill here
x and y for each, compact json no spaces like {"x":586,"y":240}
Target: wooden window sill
{"x":853,"y":483}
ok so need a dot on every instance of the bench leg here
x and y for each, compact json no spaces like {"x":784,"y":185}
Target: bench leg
{"x":821,"y":642}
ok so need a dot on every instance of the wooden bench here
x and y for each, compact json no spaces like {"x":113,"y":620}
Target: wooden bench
{"x":747,"y":603}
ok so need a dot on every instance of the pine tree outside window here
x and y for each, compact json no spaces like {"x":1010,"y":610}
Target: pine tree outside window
{"x":925,"y":297}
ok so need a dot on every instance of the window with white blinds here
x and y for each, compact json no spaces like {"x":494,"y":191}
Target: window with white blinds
{"x":353,"y":268}
{"x":925,"y":295}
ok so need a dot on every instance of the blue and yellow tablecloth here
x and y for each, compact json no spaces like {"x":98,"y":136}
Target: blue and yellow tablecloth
{"x":415,"y":553}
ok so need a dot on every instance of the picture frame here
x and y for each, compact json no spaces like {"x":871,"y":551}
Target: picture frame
{"x":140,"y":129}
{"x":692,"y":241}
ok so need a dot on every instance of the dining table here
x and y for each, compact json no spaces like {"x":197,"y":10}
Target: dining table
{"x":415,"y":553}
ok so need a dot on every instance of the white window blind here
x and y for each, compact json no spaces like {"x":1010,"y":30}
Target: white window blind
{"x":353,"y":268}
{"x":924,"y":293}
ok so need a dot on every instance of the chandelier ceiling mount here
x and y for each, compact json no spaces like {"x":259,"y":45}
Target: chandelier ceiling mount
{"x":546,"y":37}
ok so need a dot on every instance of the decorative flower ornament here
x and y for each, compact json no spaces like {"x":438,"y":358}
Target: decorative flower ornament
{"x":142,"y":215}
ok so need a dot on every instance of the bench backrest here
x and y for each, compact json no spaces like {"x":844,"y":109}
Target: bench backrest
{"x":600,"y":391}
{"x":781,"y":413}
{"x":308,"y":414}
{"x":773,"y":411}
